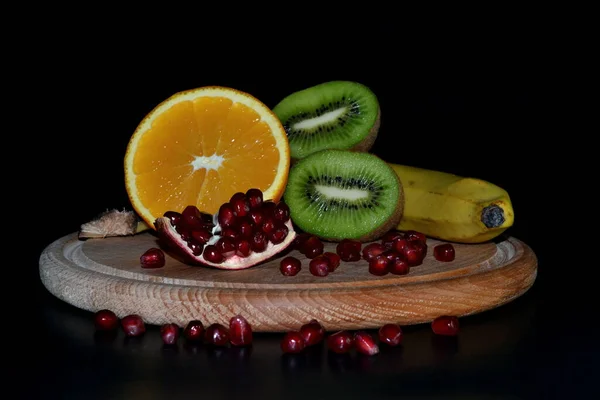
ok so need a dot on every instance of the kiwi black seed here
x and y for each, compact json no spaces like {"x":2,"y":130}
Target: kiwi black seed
{"x":332,"y":115}
{"x":344,"y":194}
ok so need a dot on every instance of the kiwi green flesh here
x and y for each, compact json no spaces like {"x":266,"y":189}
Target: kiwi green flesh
{"x":331,"y":115}
{"x":343,"y":194}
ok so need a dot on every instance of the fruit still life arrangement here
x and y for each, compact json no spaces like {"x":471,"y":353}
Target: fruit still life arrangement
{"x":222,"y":185}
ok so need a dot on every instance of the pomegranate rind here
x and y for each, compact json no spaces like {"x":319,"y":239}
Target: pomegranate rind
{"x":172,"y":240}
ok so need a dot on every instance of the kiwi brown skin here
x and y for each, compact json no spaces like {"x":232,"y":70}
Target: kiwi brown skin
{"x":378,"y":231}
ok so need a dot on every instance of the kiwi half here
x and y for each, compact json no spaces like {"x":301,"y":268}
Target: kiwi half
{"x":343,"y":194}
{"x":332,"y":115}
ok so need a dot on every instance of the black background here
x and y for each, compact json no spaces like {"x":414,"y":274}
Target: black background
{"x":471,"y":100}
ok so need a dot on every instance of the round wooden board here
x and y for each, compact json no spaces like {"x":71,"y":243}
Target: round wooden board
{"x":96,"y":274}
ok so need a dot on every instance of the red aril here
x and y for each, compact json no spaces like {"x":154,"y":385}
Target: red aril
{"x":240,"y":331}
{"x":292,"y":342}
{"x":319,"y":266}
{"x":194,"y":331}
{"x":379,"y":265}
{"x":312,"y":332}
{"x":216,"y":334}
{"x":106,"y":320}
{"x":444,"y":252}
{"x":169,"y":333}
{"x":153,"y":258}
{"x":372,"y":249}
{"x":133,"y":325}
{"x":365,"y":343}
{"x":340,"y":342}
{"x":390,"y":334}
{"x":446,"y":325}
{"x":334,"y":260}
{"x":349,"y":250}
{"x":290,"y":266}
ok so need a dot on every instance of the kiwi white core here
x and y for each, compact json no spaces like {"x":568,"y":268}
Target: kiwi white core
{"x":321,"y":119}
{"x":350,"y":194}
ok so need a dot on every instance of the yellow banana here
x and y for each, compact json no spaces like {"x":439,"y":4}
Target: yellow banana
{"x":451,"y":207}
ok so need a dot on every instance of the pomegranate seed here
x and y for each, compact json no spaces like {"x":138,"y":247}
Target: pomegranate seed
{"x":194,"y":331}
{"x":365,"y":343}
{"x":312,"y":332}
{"x":312,"y":247}
{"x":267,"y":207}
{"x":256,"y":216}
{"x":237,"y":196}
{"x":388,"y":238}
{"x":319,"y":266}
{"x":372,"y":249}
{"x":225,"y":246}
{"x":242,"y":247}
{"x":334,"y":260}
{"x":281,"y":212}
{"x":391,"y":334}
{"x":133,"y":325}
{"x":259,"y":241}
{"x":268,"y":224}
{"x":244,"y":227}
{"x":106,"y":320}
{"x":444,"y":252}
{"x":212,"y":254}
{"x":169,"y":333}
{"x":279,"y":233}
{"x":174,"y":216}
{"x":446,"y":325}
{"x":379,"y":265}
{"x":399,"y":244}
{"x":399,"y":266}
{"x":340,"y":342}
{"x":255,"y":197}
{"x":415,"y":236}
{"x":153,"y":258}
{"x":216,"y":335}
{"x":299,"y":241}
{"x":349,"y":250}
{"x":226,"y":216}
{"x":195,"y":246}
{"x":290,"y":266}
{"x":240,"y":331}
{"x":229,"y":232}
{"x":201,"y":236}
{"x":241,"y":207}
{"x":292,"y":342}
{"x":414,"y":253}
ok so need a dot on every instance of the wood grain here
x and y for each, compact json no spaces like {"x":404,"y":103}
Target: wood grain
{"x":105,"y":273}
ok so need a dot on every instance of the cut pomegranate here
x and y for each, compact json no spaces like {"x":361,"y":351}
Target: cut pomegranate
{"x":444,"y":252}
{"x":319,"y":266}
{"x":446,"y":325}
{"x":290,"y":266}
{"x":340,"y":342}
{"x":194,"y":331}
{"x":133,"y":325}
{"x":153,"y":258}
{"x":365,"y":343}
{"x":312,"y":332}
{"x":232,"y":239}
{"x":349,"y":250}
{"x":106,"y":320}
{"x":292,"y":342}
{"x":240,"y":331}
{"x":391,"y":334}
{"x":169,"y":333}
{"x":216,"y":335}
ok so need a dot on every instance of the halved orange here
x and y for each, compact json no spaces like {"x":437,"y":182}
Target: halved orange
{"x":201,"y":146}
